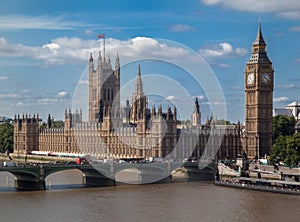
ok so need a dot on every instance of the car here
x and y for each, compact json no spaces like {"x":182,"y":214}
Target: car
{"x":9,"y":164}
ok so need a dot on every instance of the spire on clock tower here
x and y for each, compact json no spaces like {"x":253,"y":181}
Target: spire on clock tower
{"x":259,"y":53}
{"x":259,"y":38}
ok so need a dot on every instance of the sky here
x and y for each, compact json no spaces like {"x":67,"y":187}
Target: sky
{"x":190,"y":49}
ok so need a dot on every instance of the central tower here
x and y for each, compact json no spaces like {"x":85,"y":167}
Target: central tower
{"x":259,"y":84}
{"x":104,"y":87}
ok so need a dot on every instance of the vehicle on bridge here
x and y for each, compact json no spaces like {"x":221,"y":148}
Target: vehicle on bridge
{"x":9,"y":164}
{"x":82,"y":160}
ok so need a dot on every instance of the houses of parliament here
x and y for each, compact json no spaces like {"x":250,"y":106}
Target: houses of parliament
{"x":139,"y":131}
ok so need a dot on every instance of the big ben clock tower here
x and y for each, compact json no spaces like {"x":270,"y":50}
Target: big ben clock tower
{"x":259,"y":84}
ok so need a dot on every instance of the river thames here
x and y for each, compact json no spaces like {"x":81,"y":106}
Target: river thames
{"x":182,"y":201}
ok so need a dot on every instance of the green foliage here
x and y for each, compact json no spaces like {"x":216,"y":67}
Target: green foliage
{"x":6,"y":137}
{"x":55,"y":124}
{"x":223,"y":122}
{"x":283,"y":125}
{"x":43,"y":125}
{"x":287,"y":148}
{"x":58,"y":124}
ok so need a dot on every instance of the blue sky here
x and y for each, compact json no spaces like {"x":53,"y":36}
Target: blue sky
{"x":45,"y":45}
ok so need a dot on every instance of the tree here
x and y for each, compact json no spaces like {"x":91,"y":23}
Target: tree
{"x":55,"y":124}
{"x":283,"y":125}
{"x":6,"y":137}
{"x":287,"y":148}
{"x":278,"y":149}
{"x":223,"y":122}
{"x":58,"y":124}
{"x":292,"y":152}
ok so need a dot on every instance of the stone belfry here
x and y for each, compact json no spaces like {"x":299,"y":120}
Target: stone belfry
{"x":104,"y":87}
{"x":259,"y":84}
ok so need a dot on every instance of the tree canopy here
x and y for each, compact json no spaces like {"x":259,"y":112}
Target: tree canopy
{"x":286,"y":149}
{"x":6,"y":137}
{"x":54,"y":124}
{"x":283,"y":126}
{"x":286,"y":143}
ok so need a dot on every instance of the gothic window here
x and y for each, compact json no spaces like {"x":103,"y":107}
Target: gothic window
{"x":104,"y":94}
{"x":94,"y":94}
{"x":112,"y":94}
{"x":108,"y":94}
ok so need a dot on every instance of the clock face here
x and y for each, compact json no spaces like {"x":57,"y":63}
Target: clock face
{"x":266,"y":78}
{"x":250,"y":78}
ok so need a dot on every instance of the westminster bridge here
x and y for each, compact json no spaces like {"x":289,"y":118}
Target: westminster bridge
{"x":103,"y":174}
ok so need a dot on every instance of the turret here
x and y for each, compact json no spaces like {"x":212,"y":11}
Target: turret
{"x":139,"y":100}
{"x":49,"y":122}
{"x":169,"y":113}
{"x":159,"y":110}
{"x":196,"y":115}
{"x":175,"y":114}
{"x":91,"y":58}
{"x":117,"y":66}
{"x":26,"y":134}
{"x":99,"y":59}
{"x":153,"y":112}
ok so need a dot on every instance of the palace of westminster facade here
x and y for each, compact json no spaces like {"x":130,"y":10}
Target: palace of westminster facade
{"x":136,"y":131}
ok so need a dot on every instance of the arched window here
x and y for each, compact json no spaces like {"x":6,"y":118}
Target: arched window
{"x":104,"y":94}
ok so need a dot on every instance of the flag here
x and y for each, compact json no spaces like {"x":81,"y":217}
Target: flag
{"x":101,"y":36}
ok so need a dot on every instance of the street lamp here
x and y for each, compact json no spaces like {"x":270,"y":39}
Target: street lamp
{"x":245,"y":136}
{"x":257,"y":147}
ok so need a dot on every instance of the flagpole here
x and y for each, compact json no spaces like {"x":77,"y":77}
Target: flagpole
{"x":102,"y":36}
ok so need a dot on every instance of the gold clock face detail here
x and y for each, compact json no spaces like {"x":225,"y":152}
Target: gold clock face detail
{"x":250,"y":78}
{"x":266,"y":78}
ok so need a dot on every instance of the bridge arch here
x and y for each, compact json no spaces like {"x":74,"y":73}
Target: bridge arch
{"x":7,"y":180}
{"x":142,"y":173}
{"x":66,"y":177}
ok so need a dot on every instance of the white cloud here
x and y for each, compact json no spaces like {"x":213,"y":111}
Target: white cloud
{"x":50,"y":22}
{"x":19,"y":22}
{"x":22,"y":94}
{"x":73,"y":50}
{"x":47,"y":101}
{"x":10,"y":96}
{"x":89,"y":32}
{"x":238,"y":88}
{"x":62,"y":94}
{"x":281,"y":99}
{"x":293,"y":15}
{"x":286,"y":86}
{"x":3,"y":78}
{"x":257,"y":5}
{"x":224,"y":65}
{"x":295,"y":29}
{"x":222,"y":50}
{"x":171,"y":98}
{"x":289,"y":9}
{"x":83,"y":82}
{"x":182,"y":28}
{"x":200,"y":97}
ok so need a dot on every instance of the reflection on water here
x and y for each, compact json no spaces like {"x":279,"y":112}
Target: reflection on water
{"x":197,"y":201}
